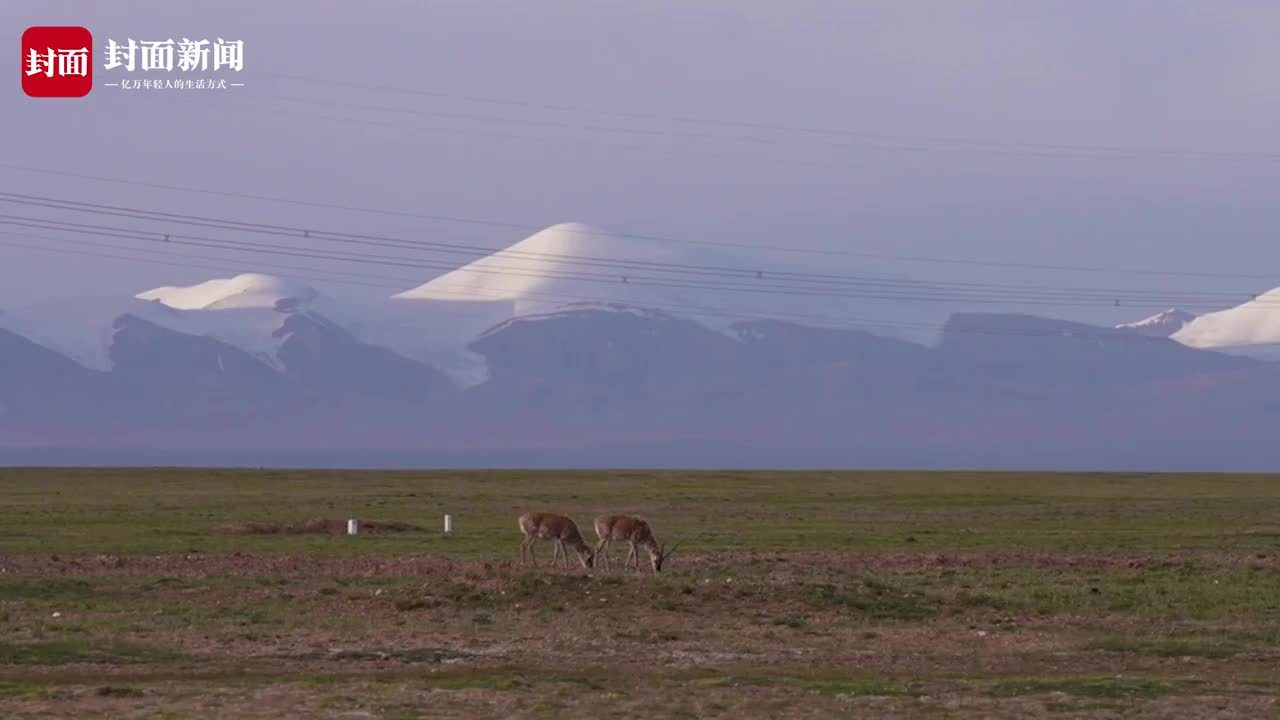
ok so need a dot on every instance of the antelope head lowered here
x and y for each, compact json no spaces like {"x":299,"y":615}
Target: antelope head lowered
{"x":560,"y":530}
{"x":635,"y":532}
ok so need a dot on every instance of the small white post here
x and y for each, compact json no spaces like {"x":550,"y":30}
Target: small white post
{"x":353,"y":527}
{"x":448,"y":523}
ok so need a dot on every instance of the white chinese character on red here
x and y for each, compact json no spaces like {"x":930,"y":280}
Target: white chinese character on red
{"x":157,"y":55}
{"x":73,"y":62}
{"x":58,"y":62}
{"x":37,"y":63}
{"x":228,"y":54}
{"x":120,"y":55}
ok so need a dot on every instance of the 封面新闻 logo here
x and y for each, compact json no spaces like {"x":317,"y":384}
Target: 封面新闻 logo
{"x":57,"y":61}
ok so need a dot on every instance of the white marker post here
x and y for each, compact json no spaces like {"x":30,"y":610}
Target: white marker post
{"x":448,"y":523}
{"x":353,"y":527}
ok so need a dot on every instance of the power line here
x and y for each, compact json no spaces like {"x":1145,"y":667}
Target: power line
{"x":647,"y":149}
{"x":1045,"y":149}
{"x":397,"y":261}
{"x":527,"y":227}
{"x":897,"y":146}
{"x":687,"y":309}
{"x":776,"y":279}
{"x":1091,"y":334}
{"x":230,"y":264}
{"x":909,"y":292}
{"x":530,"y":121}
{"x":155,"y":236}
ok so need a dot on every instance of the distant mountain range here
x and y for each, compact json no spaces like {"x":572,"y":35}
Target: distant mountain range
{"x":477,"y":369}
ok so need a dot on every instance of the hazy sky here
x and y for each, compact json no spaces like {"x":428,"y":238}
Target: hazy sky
{"x":1201,"y":79}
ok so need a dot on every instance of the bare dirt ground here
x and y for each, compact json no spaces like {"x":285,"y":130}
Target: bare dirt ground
{"x":740,"y":634}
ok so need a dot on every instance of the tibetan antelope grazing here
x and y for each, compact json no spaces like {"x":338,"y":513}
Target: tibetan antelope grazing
{"x":559,"y":530}
{"x":637,"y":534}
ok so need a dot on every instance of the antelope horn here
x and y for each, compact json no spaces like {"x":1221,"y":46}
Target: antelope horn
{"x":666,"y":554}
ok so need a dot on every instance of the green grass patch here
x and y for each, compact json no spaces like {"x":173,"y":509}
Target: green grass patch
{"x":411,"y":655}
{"x":24,"y":691}
{"x":834,"y":685}
{"x":45,"y":590}
{"x":873,"y":599}
{"x":850,"y":686}
{"x":127,"y":511}
{"x":1168,"y":647}
{"x":860,"y":687}
{"x":62,"y":652}
{"x":1101,"y":688}
{"x":477,"y":680}
{"x":118,"y":692}
{"x":1081,"y":707}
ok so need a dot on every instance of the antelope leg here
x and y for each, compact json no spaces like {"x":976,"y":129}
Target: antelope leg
{"x":598,"y":547}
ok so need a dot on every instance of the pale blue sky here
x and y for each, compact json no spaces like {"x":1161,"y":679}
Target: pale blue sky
{"x":1140,"y":76}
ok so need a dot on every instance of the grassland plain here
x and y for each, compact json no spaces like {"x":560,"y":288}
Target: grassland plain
{"x":198,"y":593}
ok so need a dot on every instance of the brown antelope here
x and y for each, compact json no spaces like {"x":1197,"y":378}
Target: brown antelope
{"x":559,"y":530}
{"x":637,"y":534}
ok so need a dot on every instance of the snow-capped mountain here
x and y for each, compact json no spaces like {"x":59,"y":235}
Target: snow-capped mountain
{"x":1161,"y":324}
{"x":248,"y":337}
{"x":575,"y":266}
{"x":574,"y":263}
{"x":1252,"y":328}
{"x":537,"y":347}
{"x":246,"y":311}
{"x":433,"y":332}
{"x":1051,"y":355}
{"x":250,"y":290}
{"x":571,"y":262}
{"x":83,"y":328}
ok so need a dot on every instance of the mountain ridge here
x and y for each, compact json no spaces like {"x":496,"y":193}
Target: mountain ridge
{"x":260,"y":363}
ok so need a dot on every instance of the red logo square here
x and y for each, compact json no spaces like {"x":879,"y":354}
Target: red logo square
{"x":57,"y":61}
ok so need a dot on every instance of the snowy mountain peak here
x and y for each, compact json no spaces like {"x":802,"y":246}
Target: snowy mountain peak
{"x":1161,"y":324}
{"x":250,"y":290}
{"x":1256,"y":322}
{"x":528,"y":267}
{"x":575,"y":262}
